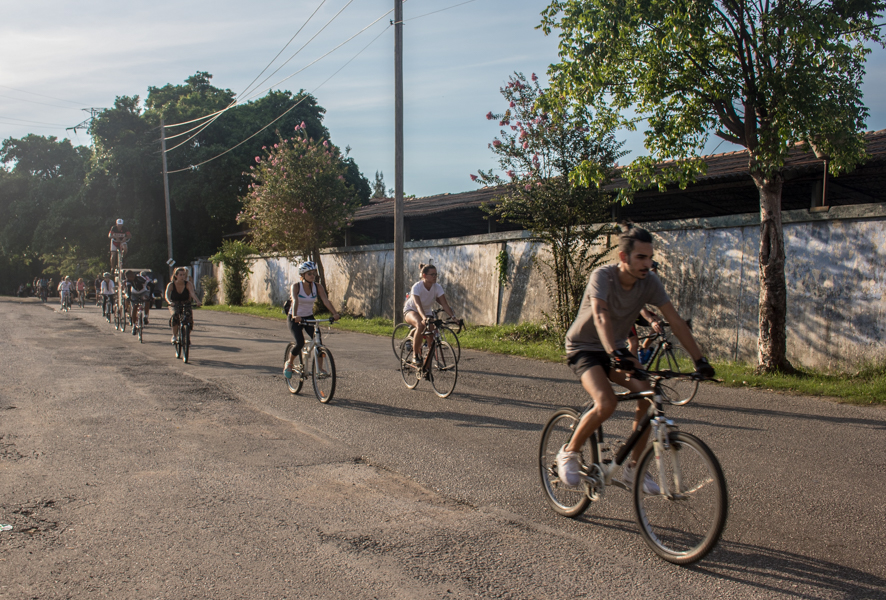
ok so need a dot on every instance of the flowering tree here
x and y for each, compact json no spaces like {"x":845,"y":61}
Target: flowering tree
{"x":537,"y":150}
{"x":298,"y":200}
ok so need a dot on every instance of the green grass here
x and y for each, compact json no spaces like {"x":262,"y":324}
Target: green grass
{"x":530,"y":340}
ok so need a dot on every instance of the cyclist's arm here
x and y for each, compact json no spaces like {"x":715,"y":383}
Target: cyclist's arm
{"x":681,"y":330}
{"x":603,"y":323}
{"x":293,"y":295}
{"x":192,"y":293}
{"x":166,"y":294}
{"x":652,"y":318}
{"x":445,"y":305}
{"x":322,"y":293}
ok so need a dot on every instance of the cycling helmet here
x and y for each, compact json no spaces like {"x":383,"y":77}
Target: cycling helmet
{"x":306,"y":266}
{"x":119,"y":221}
{"x":106,"y":275}
{"x":67,"y":278}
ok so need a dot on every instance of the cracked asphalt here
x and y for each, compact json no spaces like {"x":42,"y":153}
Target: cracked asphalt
{"x":128,"y":474}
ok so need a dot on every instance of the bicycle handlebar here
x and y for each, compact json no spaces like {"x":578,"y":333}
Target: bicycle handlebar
{"x":644,"y":375}
{"x":330,"y":320}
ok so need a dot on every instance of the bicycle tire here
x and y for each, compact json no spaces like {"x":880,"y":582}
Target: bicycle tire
{"x":410,"y":373}
{"x":141,"y":326}
{"x":186,"y":342}
{"x":444,"y":369}
{"x":569,"y":501}
{"x":295,"y":382}
{"x":678,"y":360}
{"x":684,"y":527}
{"x":123,"y":319}
{"x":450,"y":337}
{"x":323,"y":381}
{"x":400,"y":333}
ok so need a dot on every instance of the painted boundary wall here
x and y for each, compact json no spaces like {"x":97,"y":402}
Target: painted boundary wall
{"x":834,"y":268}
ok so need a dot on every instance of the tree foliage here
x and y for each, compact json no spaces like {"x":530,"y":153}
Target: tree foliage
{"x":537,"y":150}
{"x":234,"y":256}
{"x":767,"y":76}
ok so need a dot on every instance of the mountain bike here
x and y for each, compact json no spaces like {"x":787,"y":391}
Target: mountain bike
{"x":449,"y":331}
{"x":182,"y":343}
{"x":439,"y":364}
{"x":659,"y":353}
{"x":683,"y":519}
{"x":322,"y":365}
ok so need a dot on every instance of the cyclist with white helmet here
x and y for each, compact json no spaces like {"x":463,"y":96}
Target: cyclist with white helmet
{"x":107,"y":290}
{"x":66,"y":286}
{"x":302,"y":296}
{"x":120,"y":237}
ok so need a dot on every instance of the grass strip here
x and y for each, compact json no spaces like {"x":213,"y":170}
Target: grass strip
{"x":867,"y":386}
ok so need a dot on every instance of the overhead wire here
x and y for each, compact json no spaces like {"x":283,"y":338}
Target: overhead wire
{"x":43,"y":95}
{"x":438,"y":11}
{"x":279,"y":82}
{"x":27,"y":121}
{"x":192,"y":167}
{"x":40,"y":103}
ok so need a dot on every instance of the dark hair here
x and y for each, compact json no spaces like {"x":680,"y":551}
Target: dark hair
{"x":630,"y":235}
{"x":425,"y":268}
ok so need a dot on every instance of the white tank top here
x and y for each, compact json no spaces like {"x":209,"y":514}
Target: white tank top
{"x":305,"y":301}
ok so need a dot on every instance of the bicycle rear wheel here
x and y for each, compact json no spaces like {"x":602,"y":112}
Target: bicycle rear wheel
{"x":141,"y":325}
{"x":444,"y":369}
{"x":678,"y":360}
{"x":450,"y":337}
{"x":185,"y":333}
{"x":683,"y":526}
{"x":569,"y":501}
{"x":295,"y":382}
{"x":401,"y":333}
{"x":410,"y":373}
{"x":323,"y":374}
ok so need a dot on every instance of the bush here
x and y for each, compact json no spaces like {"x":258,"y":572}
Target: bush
{"x":233,"y":255}
{"x":210,"y":289}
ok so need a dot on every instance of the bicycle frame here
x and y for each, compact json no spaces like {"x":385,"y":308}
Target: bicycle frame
{"x":316,"y":341}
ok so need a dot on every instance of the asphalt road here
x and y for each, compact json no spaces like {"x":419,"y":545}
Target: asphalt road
{"x":128,"y":474}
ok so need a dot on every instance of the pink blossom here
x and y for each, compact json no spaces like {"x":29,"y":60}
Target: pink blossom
{"x":513,"y":104}
{"x":258,"y":159}
{"x":527,"y":187}
{"x":473,"y":177}
{"x":325,"y":143}
{"x":511,"y":174}
{"x":525,"y":145}
{"x":496,"y":143}
{"x":489,"y":116}
{"x":513,"y":128}
{"x":302,"y":125}
{"x":534,"y":77}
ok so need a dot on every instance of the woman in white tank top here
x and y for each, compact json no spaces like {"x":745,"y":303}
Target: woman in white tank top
{"x":303,"y":294}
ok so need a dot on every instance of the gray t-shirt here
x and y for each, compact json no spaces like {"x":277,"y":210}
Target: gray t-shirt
{"x":624,"y":308}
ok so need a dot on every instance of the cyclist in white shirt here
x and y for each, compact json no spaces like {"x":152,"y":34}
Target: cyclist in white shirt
{"x":65,"y":287}
{"x":108,"y":289}
{"x":419,"y":307}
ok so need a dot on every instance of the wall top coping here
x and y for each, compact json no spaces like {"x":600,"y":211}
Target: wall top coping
{"x":834,"y":213}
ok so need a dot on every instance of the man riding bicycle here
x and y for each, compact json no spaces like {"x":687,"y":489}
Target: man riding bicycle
{"x":596,"y":347}
{"x":137,"y":292}
{"x":108,"y":289}
{"x":65,"y":289}
{"x":120,"y":237}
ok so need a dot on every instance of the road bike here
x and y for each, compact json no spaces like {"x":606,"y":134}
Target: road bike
{"x":683,"y":518}
{"x":182,"y":339}
{"x":449,"y":331}
{"x":138,"y":325}
{"x":438,"y":363}
{"x":322,"y":365}
{"x":659,"y":353}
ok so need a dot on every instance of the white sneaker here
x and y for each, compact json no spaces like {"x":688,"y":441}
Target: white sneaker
{"x":569,"y":466}
{"x":649,"y":486}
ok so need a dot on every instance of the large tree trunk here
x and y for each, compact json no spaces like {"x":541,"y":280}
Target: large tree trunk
{"x":772,"y":343}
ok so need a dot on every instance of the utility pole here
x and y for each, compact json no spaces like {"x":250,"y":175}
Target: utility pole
{"x":398,"y":162}
{"x":170,"y":262}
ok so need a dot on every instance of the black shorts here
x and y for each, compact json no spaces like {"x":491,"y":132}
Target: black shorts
{"x":584,"y":360}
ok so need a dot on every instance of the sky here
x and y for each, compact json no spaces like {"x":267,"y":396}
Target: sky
{"x":58,"y":57}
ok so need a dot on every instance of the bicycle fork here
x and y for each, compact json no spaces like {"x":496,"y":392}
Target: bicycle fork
{"x":664,"y":451}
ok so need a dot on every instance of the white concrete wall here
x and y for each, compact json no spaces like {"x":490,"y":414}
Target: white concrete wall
{"x":834,"y":269}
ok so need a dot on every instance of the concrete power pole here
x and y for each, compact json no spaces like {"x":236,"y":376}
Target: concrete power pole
{"x":166,"y":193}
{"x":399,"y":284}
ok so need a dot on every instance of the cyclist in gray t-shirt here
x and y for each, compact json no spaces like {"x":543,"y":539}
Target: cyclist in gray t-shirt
{"x":596,"y":343}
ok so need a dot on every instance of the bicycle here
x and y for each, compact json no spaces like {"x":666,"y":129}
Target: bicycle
{"x":81,"y":298}
{"x":684,"y":519}
{"x":182,"y":342}
{"x":138,"y":325}
{"x":439,"y":365}
{"x":405,"y":330}
{"x":109,"y":308}
{"x":666,"y":355}
{"x":66,"y":301}
{"x":322,"y":378}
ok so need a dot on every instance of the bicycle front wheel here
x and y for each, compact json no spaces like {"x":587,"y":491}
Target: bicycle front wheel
{"x":141,"y":326}
{"x":323,"y":371}
{"x":684,"y":519}
{"x":444,"y":369}
{"x":295,"y":382}
{"x":450,"y":337}
{"x":401,"y":333}
{"x":568,"y":500}
{"x":185,"y":333}
{"x":678,"y":360}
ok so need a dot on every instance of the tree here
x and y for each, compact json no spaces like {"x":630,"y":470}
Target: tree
{"x":234,"y":255}
{"x":538,"y":150}
{"x":299,"y":199}
{"x":767,"y":76}
{"x":378,"y":188}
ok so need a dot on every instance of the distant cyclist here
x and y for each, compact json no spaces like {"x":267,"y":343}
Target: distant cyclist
{"x":180,"y":291}
{"x":419,"y":308}
{"x":147,"y":276}
{"x":65,"y":289}
{"x":303,"y":295}
{"x":108,"y":289}
{"x":81,"y":290}
{"x":120,"y":237}
{"x":136,"y":288}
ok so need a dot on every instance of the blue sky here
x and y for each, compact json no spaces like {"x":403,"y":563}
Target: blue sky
{"x":57,"y":57}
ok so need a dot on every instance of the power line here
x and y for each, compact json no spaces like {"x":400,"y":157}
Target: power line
{"x":192,"y":167}
{"x":35,"y":102}
{"x":27,"y":121}
{"x":438,"y":11}
{"x":43,"y":95}
{"x":29,"y":126}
